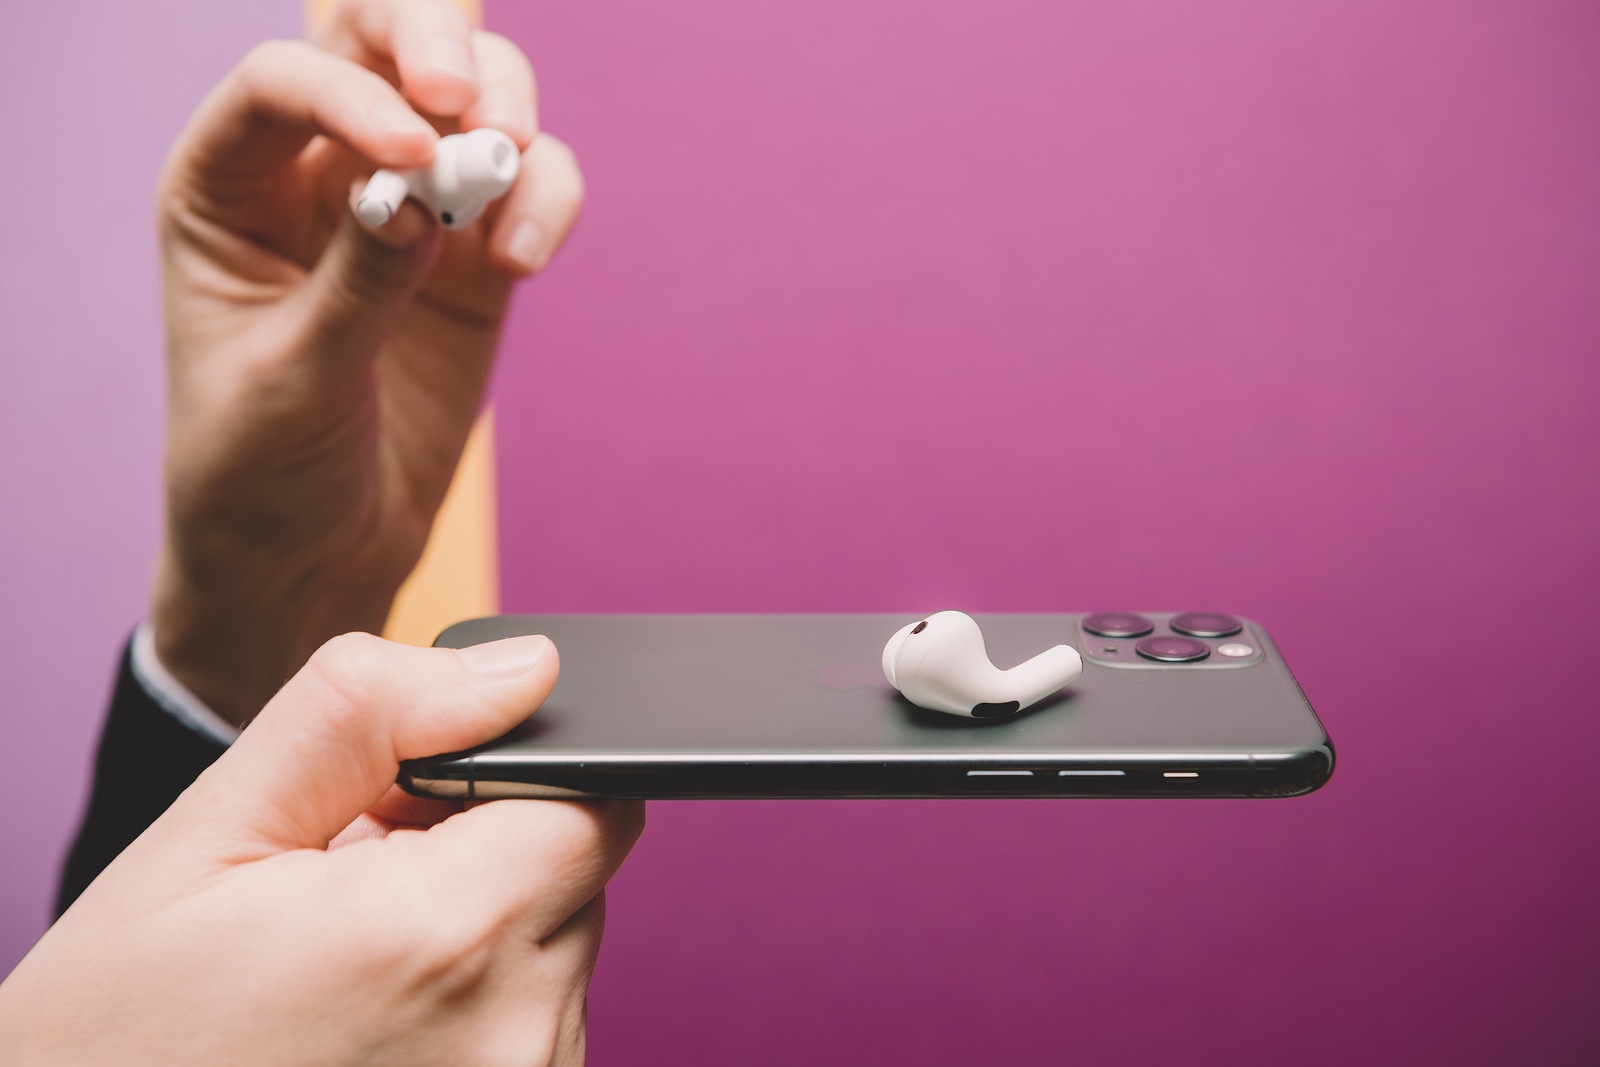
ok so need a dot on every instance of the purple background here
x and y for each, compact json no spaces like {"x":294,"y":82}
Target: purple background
{"x":1290,"y":310}
{"x":91,"y":95}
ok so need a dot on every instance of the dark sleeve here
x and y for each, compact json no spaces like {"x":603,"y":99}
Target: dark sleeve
{"x":146,"y":758}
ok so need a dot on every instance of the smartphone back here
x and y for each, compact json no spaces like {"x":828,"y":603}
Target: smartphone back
{"x":797,"y":705}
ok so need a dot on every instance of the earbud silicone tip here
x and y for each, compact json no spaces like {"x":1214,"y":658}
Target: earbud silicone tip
{"x":892,"y":649}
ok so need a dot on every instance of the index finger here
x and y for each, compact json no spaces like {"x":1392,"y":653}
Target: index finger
{"x":284,"y":93}
{"x":531,"y":862}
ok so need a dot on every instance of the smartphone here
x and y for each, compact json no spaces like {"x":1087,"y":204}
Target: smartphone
{"x":1187,"y":704}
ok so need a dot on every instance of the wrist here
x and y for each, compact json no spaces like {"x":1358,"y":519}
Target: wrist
{"x":233,"y":641}
{"x":175,"y":698}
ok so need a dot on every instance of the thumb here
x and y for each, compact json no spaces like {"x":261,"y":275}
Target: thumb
{"x":362,"y":280}
{"x":329,"y":745}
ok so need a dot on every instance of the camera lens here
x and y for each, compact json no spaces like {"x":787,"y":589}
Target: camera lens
{"x":1206,"y":624}
{"x":1118,"y":624}
{"x":1172,"y":649}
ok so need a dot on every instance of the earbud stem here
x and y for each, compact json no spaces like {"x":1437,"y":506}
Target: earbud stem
{"x":382,"y":197}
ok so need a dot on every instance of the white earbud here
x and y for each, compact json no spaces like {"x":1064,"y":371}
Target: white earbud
{"x":940,"y":663}
{"x":468,"y":171}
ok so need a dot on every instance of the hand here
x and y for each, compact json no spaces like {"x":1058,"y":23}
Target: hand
{"x":324,"y":377}
{"x":227,"y":934}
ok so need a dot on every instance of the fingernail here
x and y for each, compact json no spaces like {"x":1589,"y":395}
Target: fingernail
{"x":508,"y":658}
{"x":525,"y":243}
{"x":391,"y":116}
{"x":448,"y":55}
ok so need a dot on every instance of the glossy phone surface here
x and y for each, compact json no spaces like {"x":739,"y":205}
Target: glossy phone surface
{"x":753,"y":706}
